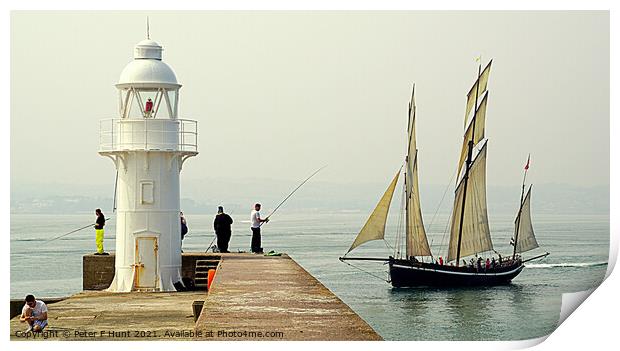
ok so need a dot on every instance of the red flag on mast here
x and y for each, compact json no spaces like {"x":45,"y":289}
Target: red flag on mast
{"x":527,"y":166}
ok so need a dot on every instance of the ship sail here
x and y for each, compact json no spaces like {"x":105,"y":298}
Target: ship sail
{"x":483,"y":79}
{"x":524,"y":232}
{"x":374,"y":229}
{"x":478,"y":129}
{"x":416,"y":242}
{"x":475,"y":236}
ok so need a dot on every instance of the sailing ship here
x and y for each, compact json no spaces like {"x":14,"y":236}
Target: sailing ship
{"x":470,"y":235}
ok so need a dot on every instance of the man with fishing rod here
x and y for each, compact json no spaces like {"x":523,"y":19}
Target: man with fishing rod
{"x":257,"y":221}
{"x":99,"y":223}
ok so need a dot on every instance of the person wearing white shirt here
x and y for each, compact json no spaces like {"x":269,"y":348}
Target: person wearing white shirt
{"x":34,"y":313}
{"x":256,"y":221}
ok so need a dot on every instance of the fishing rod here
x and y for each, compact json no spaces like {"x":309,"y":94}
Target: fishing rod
{"x":73,"y":231}
{"x":292,"y":192}
{"x":208,"y":247}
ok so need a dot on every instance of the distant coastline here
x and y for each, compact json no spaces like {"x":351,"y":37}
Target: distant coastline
{"x":204,"y":196}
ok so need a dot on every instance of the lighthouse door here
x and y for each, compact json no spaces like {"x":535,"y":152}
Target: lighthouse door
{"x":146,"y":263}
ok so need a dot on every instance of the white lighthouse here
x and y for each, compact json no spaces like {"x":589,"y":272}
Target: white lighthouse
{"x":148,"y":144}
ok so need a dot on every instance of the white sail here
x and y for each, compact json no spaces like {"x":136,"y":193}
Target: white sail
{"x":482,"y":87}
{"x":524,"y":231}
{"x":417,"y":243}
{"x":476,"y":236}
{"x":374,"y":229}
{"x":477,"y":129}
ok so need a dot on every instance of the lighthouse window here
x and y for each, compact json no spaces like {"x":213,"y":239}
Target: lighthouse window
{"x":126,"y":96}
{"x":148,"y":101}
{"x":134,"y":108}
{"x":164,"y":109}
{"x":146,"y":191}
{"x":121,"y":107}
{"x":172,"y":98}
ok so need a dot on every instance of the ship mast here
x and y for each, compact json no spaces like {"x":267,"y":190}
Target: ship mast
{"x":514,"y":252}
{"x":470,"y":148}
{"x":407,"y":170}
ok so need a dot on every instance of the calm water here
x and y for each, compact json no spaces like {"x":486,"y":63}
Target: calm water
{"x":527,"y":308}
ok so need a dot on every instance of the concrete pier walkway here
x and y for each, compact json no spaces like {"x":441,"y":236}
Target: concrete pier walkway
{"x":100,"y":315}
{"x":253,"y":297}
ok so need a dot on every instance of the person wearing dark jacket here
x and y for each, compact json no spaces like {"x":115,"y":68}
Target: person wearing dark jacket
{"x":99,"y":223}
{"x":221,"y":224}
{"x":184,"y":228}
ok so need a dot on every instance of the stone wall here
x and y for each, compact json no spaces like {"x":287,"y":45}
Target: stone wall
{"x":98,"y":270}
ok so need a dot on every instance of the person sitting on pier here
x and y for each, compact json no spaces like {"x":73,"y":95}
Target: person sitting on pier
{"x":221,"y":224}
{"x":34,"y":313}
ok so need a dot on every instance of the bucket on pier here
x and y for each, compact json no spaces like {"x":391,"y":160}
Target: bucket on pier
{"x":210,"y":279}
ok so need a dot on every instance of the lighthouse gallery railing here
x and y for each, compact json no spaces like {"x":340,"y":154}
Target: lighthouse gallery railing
{"x":127,"y":134}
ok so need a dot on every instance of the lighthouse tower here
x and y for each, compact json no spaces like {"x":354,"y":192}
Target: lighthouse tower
{"x":148,"y":144}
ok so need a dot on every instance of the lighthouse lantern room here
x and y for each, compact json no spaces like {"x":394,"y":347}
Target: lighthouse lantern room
{"x":148,"y":144}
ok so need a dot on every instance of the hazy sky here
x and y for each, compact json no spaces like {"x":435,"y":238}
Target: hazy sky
{"x":278,"y":95}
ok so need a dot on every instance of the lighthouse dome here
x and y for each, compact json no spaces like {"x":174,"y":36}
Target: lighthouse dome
{"x":147,"y":67}
{"x":147,"y":71}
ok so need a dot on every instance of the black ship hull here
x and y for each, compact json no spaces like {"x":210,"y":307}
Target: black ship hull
{"x":407,"y":273}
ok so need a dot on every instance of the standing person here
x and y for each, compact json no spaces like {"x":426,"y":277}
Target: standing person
{"x":183,"y":228}
{"x":148,"y":108}
{"x":221,"y":224}
{"x":99,"y":224}
{"x":256,"y":223}
{"x":34,"y":313}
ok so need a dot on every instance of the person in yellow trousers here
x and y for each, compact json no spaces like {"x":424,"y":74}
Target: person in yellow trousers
{"x":99,"y":223}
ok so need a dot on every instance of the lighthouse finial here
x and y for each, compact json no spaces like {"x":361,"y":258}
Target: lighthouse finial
{"x":148,"y":34}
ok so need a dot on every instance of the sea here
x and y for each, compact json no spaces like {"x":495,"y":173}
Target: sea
{"x":527,"y":308}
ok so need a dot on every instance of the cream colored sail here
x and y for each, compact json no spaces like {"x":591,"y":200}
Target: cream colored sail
{"x":411,"y":126}
{"x":417,"y":243}
{"x":478,"y":129}
{"x":526,"y":240}
{"x":374,"y":229}
{"x":471,"y":95}
{"x":476,"y":236}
